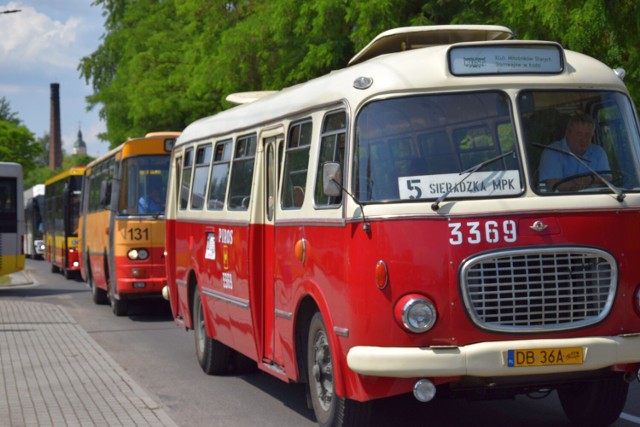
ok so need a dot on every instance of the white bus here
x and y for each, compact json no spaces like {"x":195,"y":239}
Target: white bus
{"x":34,"y":222}
{"x":455,"y":213}
{"x":11,"y":218}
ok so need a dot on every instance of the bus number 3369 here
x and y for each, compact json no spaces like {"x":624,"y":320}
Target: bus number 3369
{"x":474,"y":233}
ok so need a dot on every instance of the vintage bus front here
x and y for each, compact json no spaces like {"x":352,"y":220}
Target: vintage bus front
{"x":138,"y":224}
{"x":485,"y":253}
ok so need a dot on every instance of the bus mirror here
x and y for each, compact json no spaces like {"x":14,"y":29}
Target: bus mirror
{"x":105,"y":193}
{"x":332,"y":179}
{"x":168,"y":144}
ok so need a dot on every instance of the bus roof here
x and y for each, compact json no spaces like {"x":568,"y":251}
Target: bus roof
{"x":407,"y":38}
{"x":76,"y":170}
{"x":151,"y":136}
{"x":424,"y":69}
{"x":10,"y":169}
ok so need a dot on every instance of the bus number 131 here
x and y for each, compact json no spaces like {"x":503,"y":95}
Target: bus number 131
{"x":138,"y":233}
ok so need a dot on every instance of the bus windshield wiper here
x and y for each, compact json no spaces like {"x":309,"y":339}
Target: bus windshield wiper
{"x":619,"y":193}
{"x":436,"y":205}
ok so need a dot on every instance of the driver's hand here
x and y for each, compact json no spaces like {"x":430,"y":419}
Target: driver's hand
{"x":577,"y":184}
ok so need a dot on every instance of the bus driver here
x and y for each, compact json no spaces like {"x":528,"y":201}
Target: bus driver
{"x":556,"y":166}
{"x":150,"y":203}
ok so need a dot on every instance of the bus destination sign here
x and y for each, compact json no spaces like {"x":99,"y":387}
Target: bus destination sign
{"x":498,"y":59}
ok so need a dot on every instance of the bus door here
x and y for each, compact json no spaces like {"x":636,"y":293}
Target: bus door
{"x":272,"y":157}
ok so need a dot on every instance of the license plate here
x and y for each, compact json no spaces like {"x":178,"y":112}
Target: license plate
{"x":544,"y":357}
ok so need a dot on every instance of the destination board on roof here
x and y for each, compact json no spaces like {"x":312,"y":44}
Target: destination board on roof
{"x":497,"y":59}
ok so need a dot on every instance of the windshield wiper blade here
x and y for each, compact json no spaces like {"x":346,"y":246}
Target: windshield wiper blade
{"x":436,"y":205}
{"x":620,"y":195}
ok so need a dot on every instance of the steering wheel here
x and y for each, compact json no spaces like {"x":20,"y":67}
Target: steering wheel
{"x":616,"y":178}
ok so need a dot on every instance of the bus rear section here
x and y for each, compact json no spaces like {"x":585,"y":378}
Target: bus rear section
{"x":456,"y":220}
{"x":62,"y":209}
{"x":34,"y":222}
{"x":122,"y":222}
{"x":11,"y":218}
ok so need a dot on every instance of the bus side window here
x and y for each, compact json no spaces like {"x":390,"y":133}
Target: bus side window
{"x":296,"y":165}
{"x":200,"y":176}
{"x":332,"y":143}
{"x":242,"y":173}
{"x":185,"y":181}
{"x":219,"y":175}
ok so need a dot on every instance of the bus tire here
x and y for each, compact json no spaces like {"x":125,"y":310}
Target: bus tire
{"x":330,"y":409}
{"x":595,"y":403}
{"x":98,"y":295}
{"x":212,"y":355}
{"x":68,"y":274}
{"x":54,"y":268}
{"x":120,"y":307}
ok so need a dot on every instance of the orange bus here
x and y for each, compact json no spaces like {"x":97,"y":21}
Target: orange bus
{"x":62,"y":206}
{"x":122,"y":221}
{"x":455,"y":213}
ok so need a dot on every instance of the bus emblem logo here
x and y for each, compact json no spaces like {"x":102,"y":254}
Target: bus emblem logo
{"x":474,"y":62}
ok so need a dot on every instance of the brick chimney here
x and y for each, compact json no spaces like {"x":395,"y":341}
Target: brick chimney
{"x":55,"y":139}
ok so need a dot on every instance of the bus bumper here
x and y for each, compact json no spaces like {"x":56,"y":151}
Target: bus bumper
{"x":489,"y":358}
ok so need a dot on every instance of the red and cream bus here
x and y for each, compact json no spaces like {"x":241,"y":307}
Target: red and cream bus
{"x":122,"y":221}
{"x":62,"y":207}
{"x":397,"y":226}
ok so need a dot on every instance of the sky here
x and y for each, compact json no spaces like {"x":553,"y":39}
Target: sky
{"x":43,"y":44}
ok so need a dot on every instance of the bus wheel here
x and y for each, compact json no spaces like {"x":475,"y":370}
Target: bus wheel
{"x":68,"y":274}
{"x":120,"y":307}
{"x":213,"y":356}
{"x":98,"y":295}
{"x":329,"y":408}
{"x":596,"y":403}
{"x":54,"y":268}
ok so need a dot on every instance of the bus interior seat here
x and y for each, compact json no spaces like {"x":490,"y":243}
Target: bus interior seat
{"x":298,"y":196}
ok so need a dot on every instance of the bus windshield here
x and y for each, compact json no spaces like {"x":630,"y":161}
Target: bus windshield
{"x":462,"y":145}
{"x":422,"y":147}
{"x":579,"y":141}
{"x":144,"y":184}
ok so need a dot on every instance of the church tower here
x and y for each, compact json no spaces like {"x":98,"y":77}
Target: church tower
{"x":79,"y":147}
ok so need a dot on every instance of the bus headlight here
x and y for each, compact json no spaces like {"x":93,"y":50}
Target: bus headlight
{"x":138,"y":254}
{"x":415,"y":313}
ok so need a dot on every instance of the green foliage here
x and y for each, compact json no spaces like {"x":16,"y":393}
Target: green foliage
{"x":38,"y":176}
{"x":18,"y":144}
{"x":6,"y":114}
{"x":165,"y":63}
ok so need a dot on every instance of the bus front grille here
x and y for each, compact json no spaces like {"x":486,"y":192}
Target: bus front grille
{"x":539,"y":289}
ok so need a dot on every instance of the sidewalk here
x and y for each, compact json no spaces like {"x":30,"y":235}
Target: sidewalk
{"x":54,"y":374}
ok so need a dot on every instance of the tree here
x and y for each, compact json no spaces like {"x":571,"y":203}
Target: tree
{"x":163,"y":70}
{"x":18,"y":144}
{"x":6,"y":114}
